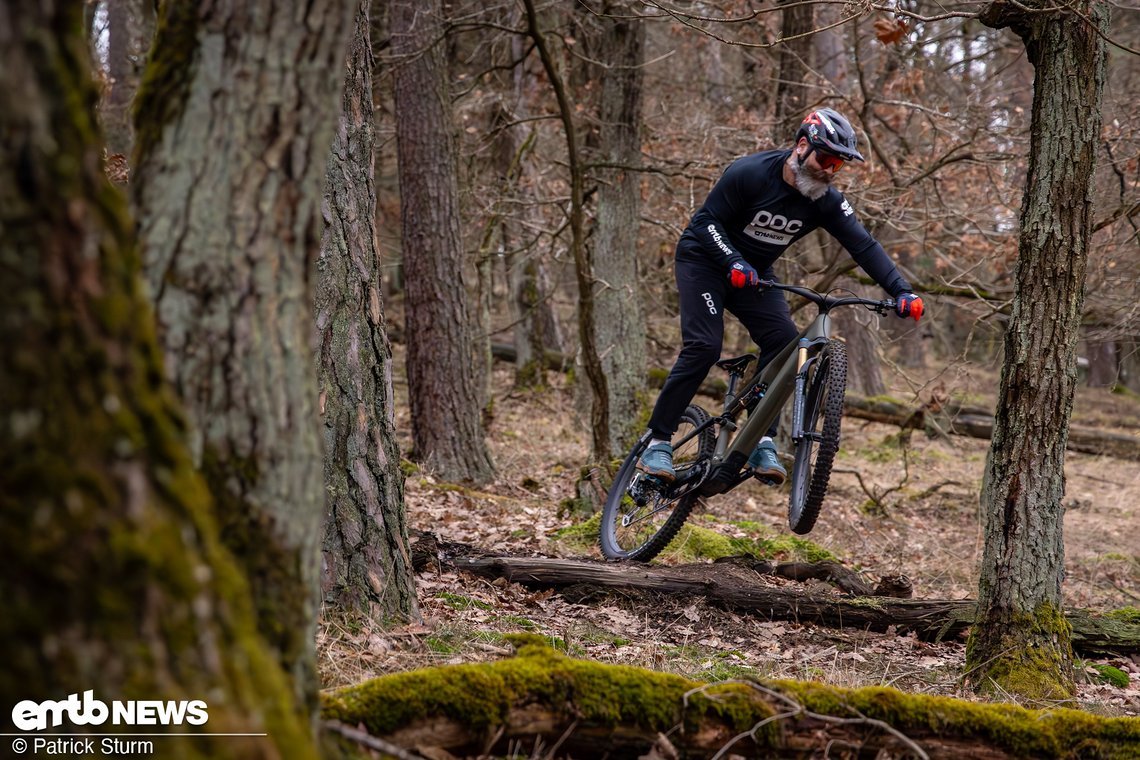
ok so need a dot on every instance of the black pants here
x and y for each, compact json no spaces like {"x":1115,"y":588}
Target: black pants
{"x":705,"y":295}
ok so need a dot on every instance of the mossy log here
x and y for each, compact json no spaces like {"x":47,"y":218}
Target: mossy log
{"x":931,"y":619}
{"x":568,"y":707}
{"x":979,"y":423}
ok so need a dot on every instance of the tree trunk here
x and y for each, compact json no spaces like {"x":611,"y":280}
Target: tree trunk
{"x":131,"y":27}
{"x":864,"y":372}
{"x":797,"y":21}
{"x":595,"y":374}
{"x":618,"y":325}
{"x":112,"y":574}
{"x":536,"y":327}
{"x":442,"y":379}
{"x":366,"y":568}
{"x":1022,"y":642}
{"x":236,"y":114}
{"x":1104,"y":366}
{"x":830,"y":45}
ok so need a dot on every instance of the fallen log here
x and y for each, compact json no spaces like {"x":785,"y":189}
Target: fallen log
{"x":577,"y":708}
{"x":931,"y":619}
{"x":835,"y":573}
{"x":952,"y":418}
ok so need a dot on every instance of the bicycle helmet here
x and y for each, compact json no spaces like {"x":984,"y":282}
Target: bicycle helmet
{"x":827,"y":129}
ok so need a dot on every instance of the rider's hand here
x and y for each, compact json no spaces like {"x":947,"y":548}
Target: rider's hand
{"x":742,"y":275}
{"x":909,"y":305}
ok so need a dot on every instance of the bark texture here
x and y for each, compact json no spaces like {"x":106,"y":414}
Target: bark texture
{"x":733,"y":585}
{"x":443,"y":384}
{"x":131,"y":27}
{"x":619,"y":325}
{"x":1021,"y":641}
{"x":797,"y":21}
{"x":366,"y":567}
{"x":112,"y":572}
{"x":864,"y":367}
{"x":236,"y":114}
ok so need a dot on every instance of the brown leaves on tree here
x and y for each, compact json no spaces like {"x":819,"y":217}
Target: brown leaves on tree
{"x":890,"y":32}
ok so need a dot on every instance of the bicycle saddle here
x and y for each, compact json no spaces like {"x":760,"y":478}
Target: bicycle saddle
{"x":736,"y":365}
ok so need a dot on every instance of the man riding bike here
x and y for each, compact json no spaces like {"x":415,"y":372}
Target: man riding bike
{"x":762,"y":203}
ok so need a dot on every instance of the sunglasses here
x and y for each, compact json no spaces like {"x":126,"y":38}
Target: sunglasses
{"x":828,"y":161}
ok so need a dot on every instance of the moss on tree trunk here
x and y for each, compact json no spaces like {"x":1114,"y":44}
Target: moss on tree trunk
{"x":1021,"y":642}
{"x":112,"y":573}
{"x":236,"y":115}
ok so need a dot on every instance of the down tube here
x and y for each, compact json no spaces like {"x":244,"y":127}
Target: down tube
{"x":780,"y":377}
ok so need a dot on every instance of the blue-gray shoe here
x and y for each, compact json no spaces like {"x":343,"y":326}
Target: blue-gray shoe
{"x":766,"y":465}
{"x":658,"y":461}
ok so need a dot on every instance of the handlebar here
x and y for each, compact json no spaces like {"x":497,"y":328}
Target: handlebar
{"x":827,"y":303}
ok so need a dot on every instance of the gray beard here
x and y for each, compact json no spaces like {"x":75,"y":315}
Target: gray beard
{"x":809,"y":186}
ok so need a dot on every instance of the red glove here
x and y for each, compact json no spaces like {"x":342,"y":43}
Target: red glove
{"x":909,"y":305}
{"x":743,"y":275}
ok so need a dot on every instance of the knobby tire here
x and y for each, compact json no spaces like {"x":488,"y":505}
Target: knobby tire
{"x":823,"y":412}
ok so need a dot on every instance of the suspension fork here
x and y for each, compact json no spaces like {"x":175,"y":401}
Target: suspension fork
{"x":805,"y":358}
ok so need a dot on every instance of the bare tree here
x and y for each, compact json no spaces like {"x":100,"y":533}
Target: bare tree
{"x":236,"y":114}
{"x":595,"y":375}
{"x":112,"y":570}
{"x":1021,"y":642}
{"x":443,"y":383}
{"x":619,"y":325}
{"x":367,"y":567}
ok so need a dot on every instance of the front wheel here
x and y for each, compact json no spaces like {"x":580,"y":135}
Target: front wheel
{"x":815,"y":453}
{"x":642,"y":514}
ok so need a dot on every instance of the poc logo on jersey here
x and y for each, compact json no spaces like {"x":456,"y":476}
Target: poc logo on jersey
{"x":773,"y":228}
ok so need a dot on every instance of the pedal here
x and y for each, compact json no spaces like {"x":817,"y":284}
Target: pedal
{"x":768,"y":480}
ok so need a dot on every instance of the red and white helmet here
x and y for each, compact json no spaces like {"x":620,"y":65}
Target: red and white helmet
{"x":828,"y":130}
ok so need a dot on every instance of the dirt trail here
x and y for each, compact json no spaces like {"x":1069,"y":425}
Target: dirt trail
{"x":926,"y":527}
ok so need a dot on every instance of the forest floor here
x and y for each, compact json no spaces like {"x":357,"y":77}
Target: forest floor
{"x":926,"y":526}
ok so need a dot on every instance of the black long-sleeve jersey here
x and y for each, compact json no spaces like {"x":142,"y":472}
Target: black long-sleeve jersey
{"x":752,"y":213}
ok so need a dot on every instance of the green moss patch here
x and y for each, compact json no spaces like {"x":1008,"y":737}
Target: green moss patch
{"x":697,"y":543}
{"x":694,"y":543}
{"x":1125,"y":614}
{"x":1112,"y":676}
{"x":1022,"y":732}
{"x":480,"y":696}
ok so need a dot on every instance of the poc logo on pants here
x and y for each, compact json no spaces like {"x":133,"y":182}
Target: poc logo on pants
{"x":709,"y":302}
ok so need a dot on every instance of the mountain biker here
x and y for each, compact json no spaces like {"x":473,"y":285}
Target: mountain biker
{"x":762,"y":203}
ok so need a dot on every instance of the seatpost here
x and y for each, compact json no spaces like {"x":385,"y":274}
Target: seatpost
{"x":730,"y":394}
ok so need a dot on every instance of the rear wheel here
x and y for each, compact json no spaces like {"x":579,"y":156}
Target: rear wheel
{"x":642,"y":513}
{"x":815,"y":453}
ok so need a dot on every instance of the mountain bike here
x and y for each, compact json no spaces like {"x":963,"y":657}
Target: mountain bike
{"x":643,"y":513}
